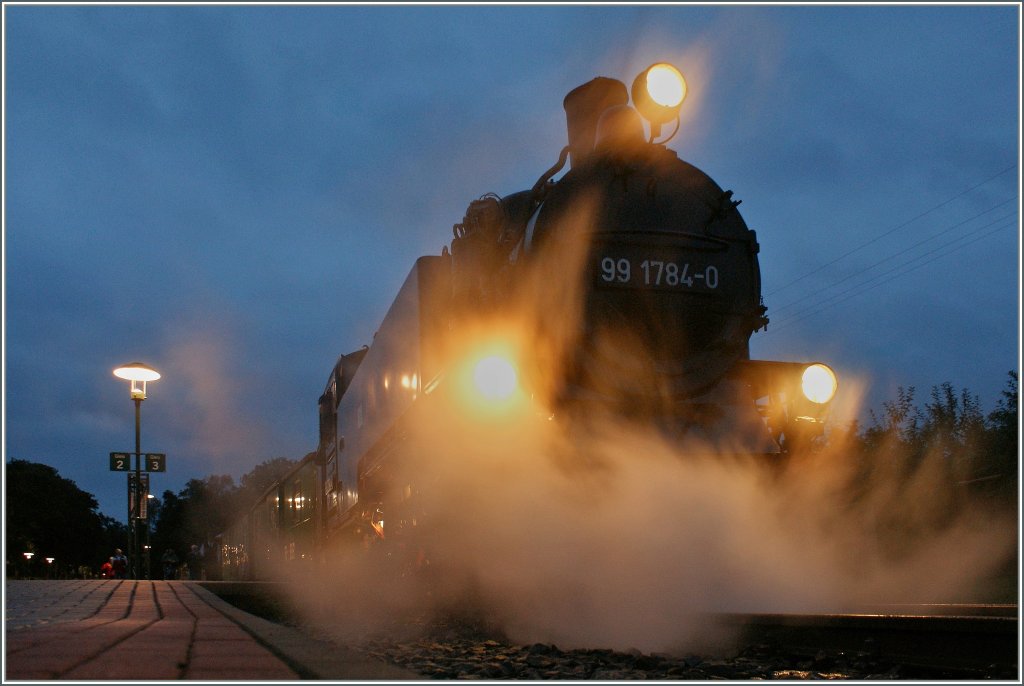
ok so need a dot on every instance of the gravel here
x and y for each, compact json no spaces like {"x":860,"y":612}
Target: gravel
{"x":452,"y":648}
{"x":489,"y":659}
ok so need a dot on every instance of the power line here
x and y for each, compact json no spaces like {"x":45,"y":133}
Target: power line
{"x":900,"y":270}
{"x":892,"y":230}
{"x":908,"y":249}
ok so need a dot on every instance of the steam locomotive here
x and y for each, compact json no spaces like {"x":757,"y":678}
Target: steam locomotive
{"x":627,"y":288}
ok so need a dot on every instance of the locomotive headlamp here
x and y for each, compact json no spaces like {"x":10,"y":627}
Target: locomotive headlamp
{"x":495,"y":377}
{"x":488,"y":379}
{"x":666,"y":85}
{"x":658,"y":92}
{"x":819,"y":383}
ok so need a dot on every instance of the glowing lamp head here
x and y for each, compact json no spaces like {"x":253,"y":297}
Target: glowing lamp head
{"x":658,"y":93}
{"x":819,"y":383}
{"x":137,"y":374}
{"x":495,"y":378}
{"x":666,"y":85}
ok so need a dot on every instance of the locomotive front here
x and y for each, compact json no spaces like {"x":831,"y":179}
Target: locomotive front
{"x":643,"y":280}
{"x":627,"y":289}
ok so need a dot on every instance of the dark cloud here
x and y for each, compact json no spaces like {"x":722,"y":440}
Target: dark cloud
{"x":234,"y":194}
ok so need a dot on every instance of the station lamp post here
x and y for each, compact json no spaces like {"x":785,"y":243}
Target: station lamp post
{"x":137,"y":374}
{"x":28,"y":562}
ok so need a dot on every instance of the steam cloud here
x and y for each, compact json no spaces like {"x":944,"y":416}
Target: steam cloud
{"x":621,"y":541}
{"x":610,"y":535}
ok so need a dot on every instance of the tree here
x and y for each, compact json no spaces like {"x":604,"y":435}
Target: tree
{"x":195,"y":515}
{"x":978,"y":454}
{"x":50,"y":516}
{"x":1000,"y":461}
{"x":263,"y":476}
{"x":208,"y":507}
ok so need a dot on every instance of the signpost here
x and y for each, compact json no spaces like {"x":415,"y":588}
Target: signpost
{"x":120,"y":462}
{"x":155,"y":462}
{"x":137,"y":374}
{"x":138,"y":497}
{"x":138,"y":494}
{"x":151,"y":462}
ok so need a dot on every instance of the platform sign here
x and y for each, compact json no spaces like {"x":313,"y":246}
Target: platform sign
{"x":151,"y":462}
{"x":155,"y":462}
{"x":141,"y":499}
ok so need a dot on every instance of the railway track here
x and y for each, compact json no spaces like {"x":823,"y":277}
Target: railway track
{"x":966,"y":640}
{"x":891,"y":642}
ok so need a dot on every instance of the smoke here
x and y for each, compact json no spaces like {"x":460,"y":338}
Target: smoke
{"x":618,"y":539}
{"x":210,"y":393}
{"x":605,"y":532}
{"x":621,"y":541}
{"x":614,"y":536}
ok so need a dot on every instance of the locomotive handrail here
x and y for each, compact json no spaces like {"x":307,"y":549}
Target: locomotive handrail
{"x":540,"y":188}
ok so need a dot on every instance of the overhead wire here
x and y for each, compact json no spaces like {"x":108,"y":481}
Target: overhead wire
{"x":918,"y":244}
{"x":901,"y":269}
{"x":891,"y":231}
{"x":897,"y":271}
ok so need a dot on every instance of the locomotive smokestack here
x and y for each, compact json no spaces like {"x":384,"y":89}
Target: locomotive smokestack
{"x":584,"y":106}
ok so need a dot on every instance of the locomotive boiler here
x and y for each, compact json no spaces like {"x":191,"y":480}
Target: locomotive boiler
{"x":628,"y":287}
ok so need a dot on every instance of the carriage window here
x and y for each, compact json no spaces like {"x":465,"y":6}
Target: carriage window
{"x":295,"y":501}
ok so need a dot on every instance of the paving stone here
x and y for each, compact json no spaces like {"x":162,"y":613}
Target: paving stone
{"x":107,"y":630}
{"x":127,"y":630}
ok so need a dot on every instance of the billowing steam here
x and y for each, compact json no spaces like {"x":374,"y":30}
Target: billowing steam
{"x":621,"y":541}
{"x":609,"y":534}
{"x":618,"y":540}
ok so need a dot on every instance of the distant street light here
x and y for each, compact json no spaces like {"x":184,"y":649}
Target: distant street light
{"x":28,"y":556}
{"x":137,"y":374}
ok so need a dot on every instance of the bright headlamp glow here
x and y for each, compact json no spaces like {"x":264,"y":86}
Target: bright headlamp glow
{"x":819,"y":383}
{"x":658,"y":93}
{"x":495,"y":378}
{"x":666,"y":85}
{"x":488,"y":382}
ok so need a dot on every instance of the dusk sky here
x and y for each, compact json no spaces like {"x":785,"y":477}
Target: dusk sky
{"x":234,"y":194}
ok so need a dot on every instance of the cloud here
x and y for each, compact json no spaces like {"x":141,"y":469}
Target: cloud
{"x":624,"y":540}
{"x":294,"y":162}
{"x":211,"y":396}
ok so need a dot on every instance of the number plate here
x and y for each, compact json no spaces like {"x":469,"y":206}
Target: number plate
{"x":656,"y":272}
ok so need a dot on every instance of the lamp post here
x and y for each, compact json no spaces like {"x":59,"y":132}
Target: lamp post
{"x":148,"y":547}
{"x":137,"y":374}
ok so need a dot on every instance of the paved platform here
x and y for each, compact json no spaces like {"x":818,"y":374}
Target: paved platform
{"x":101,"y":630}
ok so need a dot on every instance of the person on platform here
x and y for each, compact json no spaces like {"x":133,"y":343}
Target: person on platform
{"x":120,"y":564}
{"x":107,"y":569}
{"x":170,"y":564}
{"x":195,"y":563}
